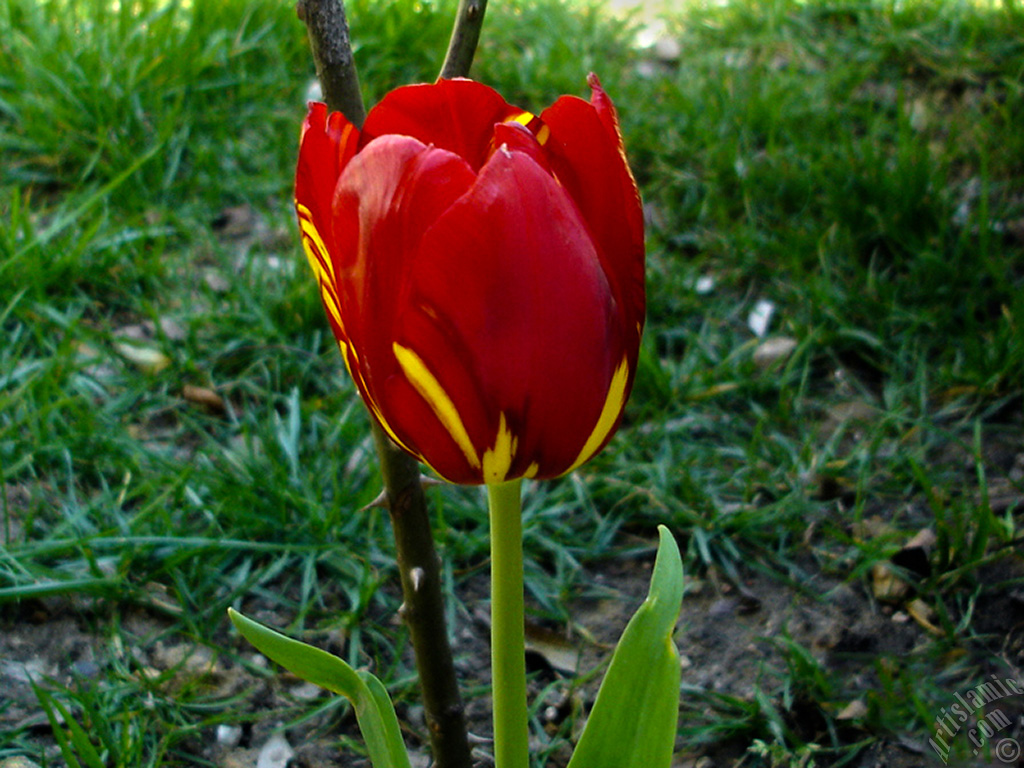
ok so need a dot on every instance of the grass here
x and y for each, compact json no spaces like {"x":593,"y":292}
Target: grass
{"x":856,"y":164}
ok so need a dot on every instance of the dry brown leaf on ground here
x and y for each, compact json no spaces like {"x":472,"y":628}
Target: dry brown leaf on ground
{"x":773,"y":350}
{"x":146,"y":359}
{"x":560,"y":652}
{"x":204,"y":396}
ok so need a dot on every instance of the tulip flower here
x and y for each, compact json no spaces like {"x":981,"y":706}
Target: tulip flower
{"x":482,"y":269}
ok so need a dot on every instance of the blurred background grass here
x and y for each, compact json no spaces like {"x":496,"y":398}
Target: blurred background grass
{"x":176,"y":431}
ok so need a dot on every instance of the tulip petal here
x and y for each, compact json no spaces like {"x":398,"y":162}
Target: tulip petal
{"x":427,"y":386}
{"x":498,"y":459}
{"x":513,"y":135}
{"x":602,"y":104}
{"x":386,"y":198}
{"x":482,"y":270}
{"x":614,"y":402}
{"x":456,"y":115}
{"x":511,"y":314}
{"x":587,"y":156}
{"x":327,"y":144}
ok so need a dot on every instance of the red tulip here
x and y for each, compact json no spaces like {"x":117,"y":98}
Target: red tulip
{"x":482,"y":270}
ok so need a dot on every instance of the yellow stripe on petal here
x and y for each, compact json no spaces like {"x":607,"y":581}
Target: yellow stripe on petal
{"x":330,"y":300}
{"x":498,"y":460}
{"x":523,"y":118}
{"x":313,"y":245}
{"x":343,"y":345}
{"x":310,"y":246}
{"x":430,"y":389}
{"x":533,"y":124}
{"x":320,"y":262}
{"x":613,"y":405}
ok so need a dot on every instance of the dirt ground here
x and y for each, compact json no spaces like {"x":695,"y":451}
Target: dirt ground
{"x":731,"y":638}
{"x":737,"y":638}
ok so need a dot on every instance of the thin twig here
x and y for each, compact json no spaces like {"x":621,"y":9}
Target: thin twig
{"x":465,"y":36}
{"x":423,"y":604}
{"x":418,"y":563}
{"x":332,"y":53}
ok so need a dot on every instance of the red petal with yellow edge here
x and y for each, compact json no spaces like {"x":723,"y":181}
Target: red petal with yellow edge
{"x":515,"y":136}
{"x":586,"y":154}
{"x":457,"y":115}
{"x":490,"y":322}
{"x":327,"y":144}
{"x":512,"y":321}
{"x":388,"y":196}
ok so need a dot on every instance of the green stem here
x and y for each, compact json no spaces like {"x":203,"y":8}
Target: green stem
{"x":508,"y":642}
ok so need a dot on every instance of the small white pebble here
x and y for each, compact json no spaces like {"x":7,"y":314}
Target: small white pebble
{"x":275,"y":753}
{"x":229,"y":735}
{"x":760,"y":317}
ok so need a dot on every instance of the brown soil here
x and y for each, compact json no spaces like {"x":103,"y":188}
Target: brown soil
{"x":731,"y":638}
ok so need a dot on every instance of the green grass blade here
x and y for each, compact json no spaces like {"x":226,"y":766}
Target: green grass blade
{"x":633,"y":723}
{"x":65,"y":220}
{"x":78,"y":743}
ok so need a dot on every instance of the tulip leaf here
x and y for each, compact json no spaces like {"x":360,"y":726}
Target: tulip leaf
{"x":373,"y":708}
{"x":634,"y":720}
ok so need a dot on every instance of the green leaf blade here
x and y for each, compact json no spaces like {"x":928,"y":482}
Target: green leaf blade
{"x":374,"y":711}
{"x":633,"y":722}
